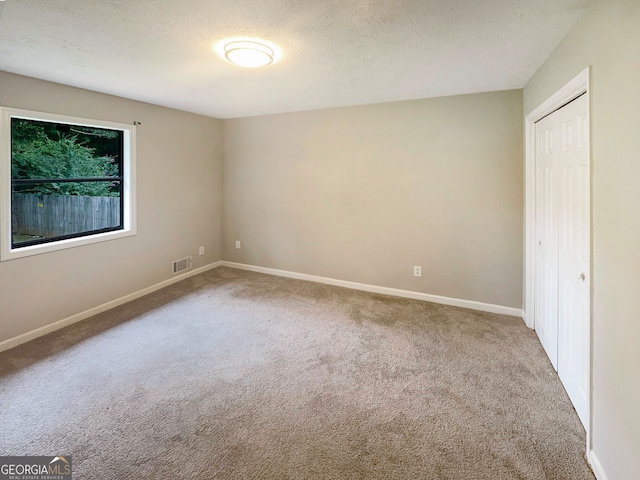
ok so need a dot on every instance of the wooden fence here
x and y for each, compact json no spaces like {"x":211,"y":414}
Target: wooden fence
{"x":53,"y":215}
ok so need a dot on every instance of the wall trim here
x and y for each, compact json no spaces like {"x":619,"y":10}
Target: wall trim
{"x":456,"y":302}
{"x":52,"y":327}
{"x":596,"y":466}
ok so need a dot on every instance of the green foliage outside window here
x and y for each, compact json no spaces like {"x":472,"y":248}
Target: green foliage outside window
{"x":42,"y":150}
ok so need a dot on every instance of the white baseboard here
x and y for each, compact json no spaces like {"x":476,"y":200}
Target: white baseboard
{"x":52,"y":327}
{"x":596,"y":466}
{"x":456,"y":302}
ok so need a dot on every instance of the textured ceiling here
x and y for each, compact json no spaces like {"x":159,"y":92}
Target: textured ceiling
{"x":334,"y":52}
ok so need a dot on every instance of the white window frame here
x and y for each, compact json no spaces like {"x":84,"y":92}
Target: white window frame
{"x":128,"y":184}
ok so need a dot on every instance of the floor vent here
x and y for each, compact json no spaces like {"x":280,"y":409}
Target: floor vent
{"x":181,"y":265}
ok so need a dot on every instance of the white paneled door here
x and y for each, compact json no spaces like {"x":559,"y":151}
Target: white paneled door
{"x":562,"y":260}
{"x":546,"y":277}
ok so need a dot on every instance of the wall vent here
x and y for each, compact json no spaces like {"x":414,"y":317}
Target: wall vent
{"x":181,"y":265}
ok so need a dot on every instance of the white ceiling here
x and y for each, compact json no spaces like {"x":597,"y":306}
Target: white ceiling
{"x":334,"y":52}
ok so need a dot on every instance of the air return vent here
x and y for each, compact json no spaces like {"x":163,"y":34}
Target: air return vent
{"x":181,"y":265}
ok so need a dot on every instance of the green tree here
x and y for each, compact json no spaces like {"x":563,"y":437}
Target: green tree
{"x":42,"y":150}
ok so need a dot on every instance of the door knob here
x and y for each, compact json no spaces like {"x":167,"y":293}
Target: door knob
{"x":582,"y":277}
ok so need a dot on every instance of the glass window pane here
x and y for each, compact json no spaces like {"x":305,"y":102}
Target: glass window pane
{"x":38,"y":216}
{"x":56,"y":150}
{"x":43,"y":210}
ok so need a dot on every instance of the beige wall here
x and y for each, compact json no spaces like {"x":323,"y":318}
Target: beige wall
{"x":178,"y":168}
{"x":608,"y":38}
{"x":364,"y":193}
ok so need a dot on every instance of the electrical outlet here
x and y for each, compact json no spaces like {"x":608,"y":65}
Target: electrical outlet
{"x":238,"y":246}
{"x":417,"y":271}
{"x":201,"y":250}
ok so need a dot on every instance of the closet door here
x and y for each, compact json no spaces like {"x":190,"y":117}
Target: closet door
{"x":546,"y":275}
{"x":562,"y":283}
{"x":574,"y":253}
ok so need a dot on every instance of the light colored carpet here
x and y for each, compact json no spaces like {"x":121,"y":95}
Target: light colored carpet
{"x":234,"y":374}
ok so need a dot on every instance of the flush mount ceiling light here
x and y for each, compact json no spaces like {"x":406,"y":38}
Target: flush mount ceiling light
{"x":248,"y":53}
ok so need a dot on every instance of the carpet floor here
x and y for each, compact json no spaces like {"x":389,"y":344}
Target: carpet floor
{"x":234,"y":374}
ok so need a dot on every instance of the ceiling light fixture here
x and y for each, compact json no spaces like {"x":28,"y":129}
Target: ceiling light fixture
{"x":248,"y":53}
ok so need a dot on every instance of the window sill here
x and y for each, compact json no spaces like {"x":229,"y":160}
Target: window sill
{"x":21,"y":252}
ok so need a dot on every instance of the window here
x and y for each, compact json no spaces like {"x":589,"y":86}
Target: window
{"x":64,"y":182}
